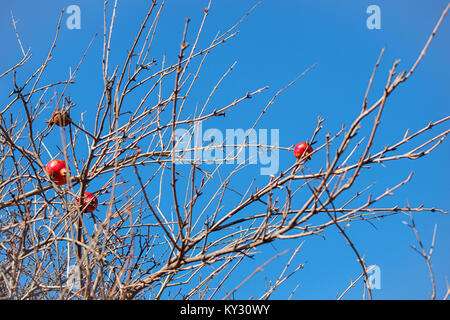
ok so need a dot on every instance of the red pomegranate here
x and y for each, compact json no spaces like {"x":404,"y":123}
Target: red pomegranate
{"x":90,"y":202}
{"x":57,"y":170}
{"x":303,"y":149}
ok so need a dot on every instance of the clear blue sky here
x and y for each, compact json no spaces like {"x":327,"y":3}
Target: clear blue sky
{"x":277,"y":42}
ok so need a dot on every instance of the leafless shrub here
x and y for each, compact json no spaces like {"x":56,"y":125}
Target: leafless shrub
{"x":165,"y":223}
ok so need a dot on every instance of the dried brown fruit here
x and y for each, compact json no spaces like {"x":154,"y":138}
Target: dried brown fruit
{"x":60,"y":118}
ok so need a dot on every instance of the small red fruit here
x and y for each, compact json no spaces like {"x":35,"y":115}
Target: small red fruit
{"x":57,"y":170}
{"x":303,"y":149}
{"x":90,"y":202}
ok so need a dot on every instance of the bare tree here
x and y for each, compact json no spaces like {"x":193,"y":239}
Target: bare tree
{"x":168,"y":218}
